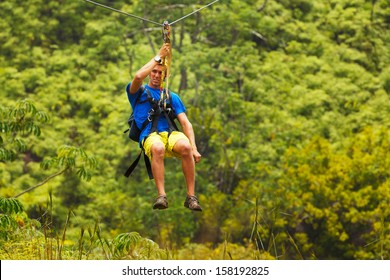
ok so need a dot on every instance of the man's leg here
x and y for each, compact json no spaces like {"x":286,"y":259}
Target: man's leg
{"x":155,"y":150}
{"x":157,"y":162}
{"x":183,"y":148}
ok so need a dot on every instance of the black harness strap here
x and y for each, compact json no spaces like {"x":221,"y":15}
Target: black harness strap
{"x":171,"y":123}
{"x":135,"y":163}
{"x":154,"y":114}
{"x":148,"y":166}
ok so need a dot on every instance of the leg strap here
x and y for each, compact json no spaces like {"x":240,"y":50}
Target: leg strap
{"x":135,"y":163}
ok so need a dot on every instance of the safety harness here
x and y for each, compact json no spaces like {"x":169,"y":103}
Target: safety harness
{"x":159,"y":108}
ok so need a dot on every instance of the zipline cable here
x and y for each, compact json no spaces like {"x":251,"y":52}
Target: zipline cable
{"x":193,"y":12}
{"x":148,"y":20}
{"x":124,"y":13}
{"x":166,"y":36}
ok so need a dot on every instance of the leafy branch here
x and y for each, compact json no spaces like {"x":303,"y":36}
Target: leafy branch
{"x":23,"y":119}
{"x":41,"y":183}
{"x":68,"y":158}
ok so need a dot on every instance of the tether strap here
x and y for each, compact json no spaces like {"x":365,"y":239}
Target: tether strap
{"x":148,"y":166}
{"x":171,"y":124}
{"x":154,"y":119}
{"x":133,"y":165}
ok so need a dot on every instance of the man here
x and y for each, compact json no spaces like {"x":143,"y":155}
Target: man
{"x":162,"y":143}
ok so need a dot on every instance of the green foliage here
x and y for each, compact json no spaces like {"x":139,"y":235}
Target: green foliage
{"x":69,"y":157}
{"x":9,"y":210}
{"x":132,"y":246}
{"x":289,"y":101}
{"x":10,"y":206}
{"x":339,"y":198}
{"x":19,"y":121}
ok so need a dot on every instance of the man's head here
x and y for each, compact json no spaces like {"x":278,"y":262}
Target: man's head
{"x":156,"y":75}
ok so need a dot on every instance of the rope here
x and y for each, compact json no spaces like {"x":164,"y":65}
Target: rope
{"x":167,"y":63}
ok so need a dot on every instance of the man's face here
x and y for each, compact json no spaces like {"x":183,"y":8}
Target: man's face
{"x":155,"y":76}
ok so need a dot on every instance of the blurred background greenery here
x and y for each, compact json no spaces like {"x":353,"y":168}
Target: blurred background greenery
{"x":290,"y":104}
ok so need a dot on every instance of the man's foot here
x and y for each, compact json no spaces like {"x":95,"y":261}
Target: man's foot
{"x":192,"y":203}
{"x":161,"y":202}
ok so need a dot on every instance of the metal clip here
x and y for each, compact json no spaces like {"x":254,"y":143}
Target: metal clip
{"x":166,"y":32}
{"x":150,"y":114}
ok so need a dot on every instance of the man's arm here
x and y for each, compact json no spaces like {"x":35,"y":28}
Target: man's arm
{"x":146,"y":69}
{"x":189,"y":132}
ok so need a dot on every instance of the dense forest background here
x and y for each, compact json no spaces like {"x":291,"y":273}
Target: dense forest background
{"x":290,"y":104}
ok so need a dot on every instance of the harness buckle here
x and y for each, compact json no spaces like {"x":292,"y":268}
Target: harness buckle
{"x":150,"y":115}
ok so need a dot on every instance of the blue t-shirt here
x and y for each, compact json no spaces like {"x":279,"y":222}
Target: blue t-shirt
{"x":143,"y":107}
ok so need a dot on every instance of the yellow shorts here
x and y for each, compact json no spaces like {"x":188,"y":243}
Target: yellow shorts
{"x":168,"y":143}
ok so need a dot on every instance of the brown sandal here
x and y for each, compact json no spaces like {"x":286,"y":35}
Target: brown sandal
{"x":192,"y":203}
{"x":161,"y":202}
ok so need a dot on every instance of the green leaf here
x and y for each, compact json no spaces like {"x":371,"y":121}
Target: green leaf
{"x":10,"y":206}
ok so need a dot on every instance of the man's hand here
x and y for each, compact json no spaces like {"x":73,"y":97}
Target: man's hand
{"x":197,"y":155}
{"x":165,"y":50}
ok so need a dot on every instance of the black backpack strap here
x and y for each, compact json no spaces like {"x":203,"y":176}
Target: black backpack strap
{"x":139,"y":93}
{"x":171,"y":123}
{"x":133,"y":165}
{"x":148,"y":166}
{"x":140,"y":90}
{"x":154,"y":114}
{"x":130,"y":170}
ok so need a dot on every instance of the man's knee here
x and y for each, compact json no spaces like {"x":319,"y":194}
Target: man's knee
{"x":157,"y":150}
{"x":184,"y":148}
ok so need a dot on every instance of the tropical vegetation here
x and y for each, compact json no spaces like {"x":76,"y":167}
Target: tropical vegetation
{"x":290,"y":104}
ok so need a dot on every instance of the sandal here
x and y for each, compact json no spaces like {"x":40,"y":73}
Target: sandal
{"x":161,"y":202}
{"x":192,"y":203}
